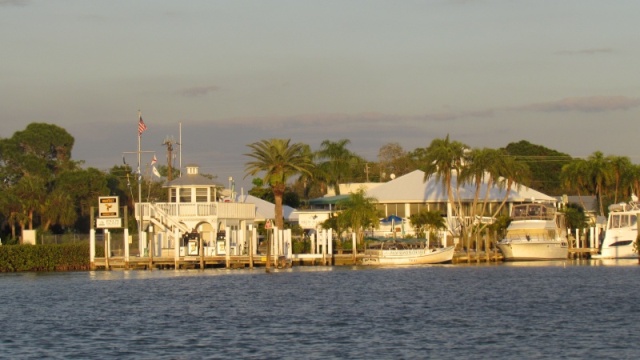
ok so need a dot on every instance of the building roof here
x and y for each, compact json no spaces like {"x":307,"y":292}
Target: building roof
{"x":412,"y":188}
{"x":192,"y":177}
{"x":266,"y":210}
{"x":328,"y":200}
{"x":590,"y":201}
{"x":192,"y":180}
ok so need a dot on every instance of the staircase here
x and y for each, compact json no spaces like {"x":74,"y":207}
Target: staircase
{"x":164,"y":221}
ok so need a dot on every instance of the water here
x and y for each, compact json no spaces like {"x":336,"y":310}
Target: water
{"x":532,"y":310}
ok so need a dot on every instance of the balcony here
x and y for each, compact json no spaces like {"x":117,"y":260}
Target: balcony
{"x":187,"y":211}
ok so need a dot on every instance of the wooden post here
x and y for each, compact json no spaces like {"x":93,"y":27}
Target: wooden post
{"x":250,"y":236}
{"x":268,"y":265}
{"x":227,"y":247}
{"x":486,"y":245}
{"x":477,"y":248}
{"x":201,"y":250}
{"x":495,"y":239}
{"x":177,"y":241}
{"x":354,"y":249}
{"x":150,"y":246}
{"x":107,"y":248}
{"x":92,"y":241}
{"x":324,"y":246}
{"x":638,"y":238}
{"x":92,"y":249}
{"x":330,"y":246}
{"x":126,"y":238}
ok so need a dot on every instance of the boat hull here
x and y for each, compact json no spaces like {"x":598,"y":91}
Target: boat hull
{"x":531,"y":251}
{"x":407,"y":257}
{"x":617,"y":252}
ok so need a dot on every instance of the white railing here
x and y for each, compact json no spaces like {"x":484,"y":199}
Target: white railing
{"x":200,"y":210}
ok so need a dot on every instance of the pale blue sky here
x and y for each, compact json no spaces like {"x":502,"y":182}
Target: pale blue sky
{"x":563,"y":74}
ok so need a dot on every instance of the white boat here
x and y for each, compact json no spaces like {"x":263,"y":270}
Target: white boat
{"x":536,"y":232}
{"x":622,"y":230}
{"x":394,"y":255}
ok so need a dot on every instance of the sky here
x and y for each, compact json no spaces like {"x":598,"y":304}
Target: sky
{"x":215,"y":76}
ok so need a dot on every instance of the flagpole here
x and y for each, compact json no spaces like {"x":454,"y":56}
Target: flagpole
{"x":139,"y":173}
{"x":180,"y":144}
{"x":139,"y":184}
{"x":138,"y":206}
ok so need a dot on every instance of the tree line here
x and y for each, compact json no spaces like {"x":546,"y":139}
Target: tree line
{"x":43,"y":188}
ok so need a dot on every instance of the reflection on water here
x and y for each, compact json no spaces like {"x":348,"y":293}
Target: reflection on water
{"x":514,"y":310}
{"x":614,"y":262}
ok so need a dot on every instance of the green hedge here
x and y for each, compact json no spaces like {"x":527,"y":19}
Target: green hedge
{"x":54,"y":257}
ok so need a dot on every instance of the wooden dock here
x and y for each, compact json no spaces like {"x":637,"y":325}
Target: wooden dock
{"x":582,"y":253}
{"x":260,"y":260}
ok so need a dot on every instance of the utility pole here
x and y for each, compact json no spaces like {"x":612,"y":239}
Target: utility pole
{"x":168,"y":142}
{"x":366,"y":170}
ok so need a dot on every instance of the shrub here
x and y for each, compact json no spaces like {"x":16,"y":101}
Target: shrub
{"x":54,"y":257}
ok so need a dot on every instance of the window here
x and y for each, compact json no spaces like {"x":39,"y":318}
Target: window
{"x":185,"y":195}
{"x":201,"y":195}
{"x":615,"y":222}
{"x":415,"y":208}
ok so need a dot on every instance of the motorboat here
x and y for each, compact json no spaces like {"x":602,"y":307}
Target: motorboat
{"x":537,"y":232}
{"x":621,"y":231}
{"x":397,"y":253}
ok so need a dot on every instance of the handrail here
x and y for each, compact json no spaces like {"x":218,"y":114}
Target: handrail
{"x":165,"y":219}
{"x":200,"y":210}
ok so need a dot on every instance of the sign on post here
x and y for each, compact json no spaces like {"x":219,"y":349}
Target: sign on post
{"x":108,"y":213}
{"x":109,"y":223}
{"x":108,"y":207}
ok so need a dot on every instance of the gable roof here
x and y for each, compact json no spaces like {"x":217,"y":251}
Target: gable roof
{"x":412,"y":188}
{"x":266,"y":210}
{"x":192,"y":180}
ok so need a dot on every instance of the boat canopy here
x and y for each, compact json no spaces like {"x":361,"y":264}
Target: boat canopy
{"x":533,"y":211}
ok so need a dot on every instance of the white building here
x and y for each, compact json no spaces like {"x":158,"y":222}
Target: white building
{"x":409,"y":194}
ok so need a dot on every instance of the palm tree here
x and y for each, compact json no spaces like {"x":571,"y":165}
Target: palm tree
{"x":358,"y":212}
{"x":337,"y":164}
{"x":11,"y":208}
{"x":511,"y":173}
{"x":444,"y":157}
{"x":634,"y":174}
{"x":31,"y":192}
{"x":482,"y":168}
{"x":600,"y":175}
{"x":620,"y":165}
{"x":573,"y":177}
{"x":427,"y":220}
{"x":279,"y":160}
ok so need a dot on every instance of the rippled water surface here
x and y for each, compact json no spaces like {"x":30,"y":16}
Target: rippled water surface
{"x":531,"y":310}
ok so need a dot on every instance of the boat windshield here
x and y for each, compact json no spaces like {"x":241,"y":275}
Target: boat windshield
{"x":617,"y":221}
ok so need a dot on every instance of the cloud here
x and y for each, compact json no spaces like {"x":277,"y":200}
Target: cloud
{"x":198,"y":91}
{"x":586,"y":51}
{"x":584,"y":104}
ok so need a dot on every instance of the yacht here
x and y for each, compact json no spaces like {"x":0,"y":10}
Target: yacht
{"x":622,"y":230}
{"x":537,"y":232}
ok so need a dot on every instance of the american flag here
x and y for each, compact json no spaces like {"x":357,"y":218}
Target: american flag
{"x":141,"y":126}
